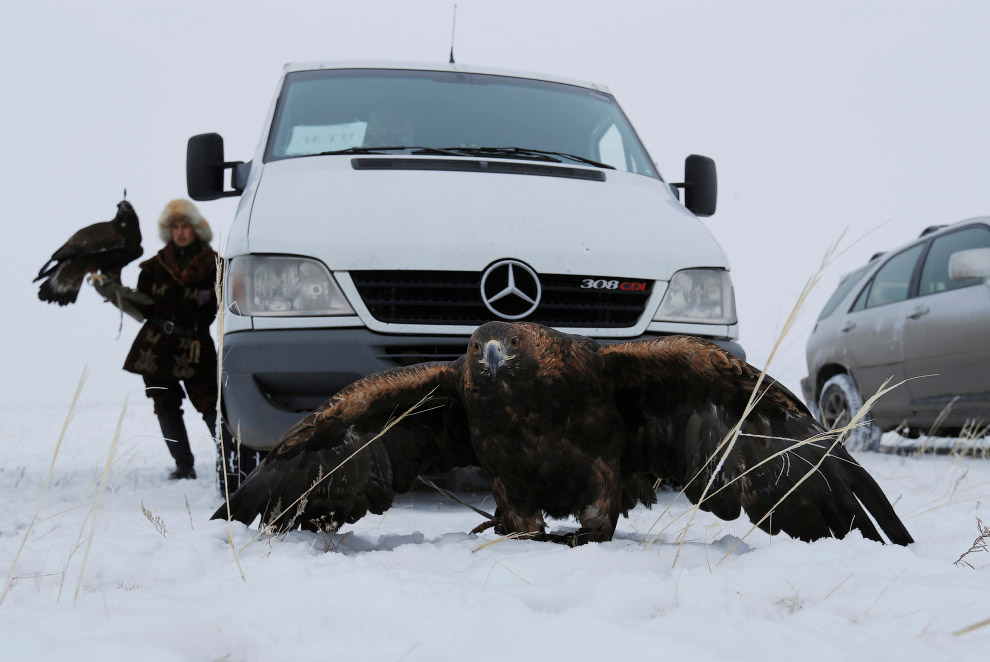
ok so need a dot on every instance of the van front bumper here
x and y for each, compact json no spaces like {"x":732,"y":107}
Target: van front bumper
{"x":273,"y":378}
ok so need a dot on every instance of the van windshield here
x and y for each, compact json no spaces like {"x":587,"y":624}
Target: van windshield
{"x":430,"y":112}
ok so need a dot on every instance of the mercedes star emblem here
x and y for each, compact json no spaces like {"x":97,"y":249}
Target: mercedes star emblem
{"x":510,"y":289}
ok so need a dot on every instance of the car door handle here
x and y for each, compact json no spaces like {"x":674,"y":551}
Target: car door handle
{"x":848,"y":327}
{"x":918,"y":312}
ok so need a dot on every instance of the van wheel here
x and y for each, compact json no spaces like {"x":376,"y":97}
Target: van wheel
{"x":839,"y":402}
{"x":235,"y":464}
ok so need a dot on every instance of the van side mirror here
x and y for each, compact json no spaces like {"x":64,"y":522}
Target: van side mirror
{"x":700,"y":185}
{"x":971,"y":263}
{"x":205,"y":168}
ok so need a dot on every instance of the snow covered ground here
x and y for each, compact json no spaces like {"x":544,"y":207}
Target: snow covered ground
{"x":413,"y":585}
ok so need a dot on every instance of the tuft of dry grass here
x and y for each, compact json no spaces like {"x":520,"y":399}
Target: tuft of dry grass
{"x":156,"y":521}
{"x":981,"y":544}
{"x":95,"y":510}
{"x":48,"y":481}
{"x":790,"y":604}
{"x":327,"y":529}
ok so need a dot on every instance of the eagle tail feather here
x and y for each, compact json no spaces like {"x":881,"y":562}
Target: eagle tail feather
{"x":54,"y":290}
{"x":875,"y":502}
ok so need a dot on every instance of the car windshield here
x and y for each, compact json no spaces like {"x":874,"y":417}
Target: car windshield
{"x":845,"y":285}
{"x":452,"y":114}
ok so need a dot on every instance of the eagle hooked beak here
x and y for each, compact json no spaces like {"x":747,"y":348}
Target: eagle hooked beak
{"x":493,"y":356}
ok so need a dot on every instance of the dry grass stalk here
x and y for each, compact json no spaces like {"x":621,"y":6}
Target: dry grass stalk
{"x":155,"y":520}
{"x":972,"y":628}
{"x":327,"y":528}
{"x":840,"y":434}
{"x":981,"y":544}
{"x":972,"y":431}
{"x":80,"y":536}
{"x":729,"y":442}
{"x":838,"y":586}
{"x":969,"y":494}
{"x":99,"y":494}
{"x":942,"y":415}
{"x":316,"y":483}
{"x":48,"y":482}
{"x":189,"y":510}
{"x":883,"y":592}
{"x":221,"y":295}
{"x":509,"y":536}
{"x":72,"y":552}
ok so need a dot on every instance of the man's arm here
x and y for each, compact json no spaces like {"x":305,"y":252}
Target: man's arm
{"x":129,"y":300}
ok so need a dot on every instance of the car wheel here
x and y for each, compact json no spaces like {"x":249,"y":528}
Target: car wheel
{"x":839,"y":402}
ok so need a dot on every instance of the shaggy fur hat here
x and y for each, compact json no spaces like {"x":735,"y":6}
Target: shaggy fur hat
{"x":183,"y":210}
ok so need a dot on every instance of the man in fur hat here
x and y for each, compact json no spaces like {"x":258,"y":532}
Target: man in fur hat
{"x":174,"y":346}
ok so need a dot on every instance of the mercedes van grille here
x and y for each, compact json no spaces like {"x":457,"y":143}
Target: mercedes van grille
{"x":454,"y":298}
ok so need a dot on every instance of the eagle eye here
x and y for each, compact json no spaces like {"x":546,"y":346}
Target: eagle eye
{"x":475,"y":347}
{"x":514,"y":341}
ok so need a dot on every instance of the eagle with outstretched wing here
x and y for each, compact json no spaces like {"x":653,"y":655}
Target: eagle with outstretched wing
{"x":565,"y":426}
{"x":104,"y":247}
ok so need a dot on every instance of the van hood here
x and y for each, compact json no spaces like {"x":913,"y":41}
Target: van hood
{"x":627,"y":226}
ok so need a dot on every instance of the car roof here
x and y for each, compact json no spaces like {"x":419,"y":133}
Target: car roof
{"x":435,"y":66}
{"x":926,"y":234}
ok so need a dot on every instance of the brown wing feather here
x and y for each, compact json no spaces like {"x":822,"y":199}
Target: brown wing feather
{"x":104,"y":247}
{"x":680,"y":398}
{"x":93,"y":239}
{"x":432,"y":439}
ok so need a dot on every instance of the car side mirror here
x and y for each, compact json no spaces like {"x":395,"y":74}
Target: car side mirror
{"x":205,"y":169}
{"x":970,"y":263}
{"x":700,"y":185}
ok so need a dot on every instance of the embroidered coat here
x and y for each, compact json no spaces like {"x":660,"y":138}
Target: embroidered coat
{"x":187,"y":298}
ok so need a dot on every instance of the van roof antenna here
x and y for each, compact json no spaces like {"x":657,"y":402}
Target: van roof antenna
{"x":453,"y":27}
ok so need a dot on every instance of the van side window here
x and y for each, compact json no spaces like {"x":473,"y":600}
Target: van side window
{"x":893,"y":281}
{"x":935,"y":273}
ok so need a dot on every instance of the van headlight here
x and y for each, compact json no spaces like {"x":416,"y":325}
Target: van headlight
{"x":700,"y":296}
{"x":272,"y":285}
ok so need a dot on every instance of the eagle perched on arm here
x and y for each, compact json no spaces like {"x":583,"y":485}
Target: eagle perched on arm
{"x":105,"y":247}
{"x":565,"y":426}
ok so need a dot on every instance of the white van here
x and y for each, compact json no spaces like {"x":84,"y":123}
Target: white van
{"x":392,"y":208}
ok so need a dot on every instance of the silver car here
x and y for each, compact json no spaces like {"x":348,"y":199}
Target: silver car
{"x":919,"y":313}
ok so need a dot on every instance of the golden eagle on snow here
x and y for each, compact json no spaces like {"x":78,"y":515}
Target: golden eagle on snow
{"x":565,"y":426}
{"x":105,"y":247}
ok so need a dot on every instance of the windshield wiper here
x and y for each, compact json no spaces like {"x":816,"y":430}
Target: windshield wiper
{"x":525,"y":153}
{"x":387,"y":149}
{"x":496,"y":152}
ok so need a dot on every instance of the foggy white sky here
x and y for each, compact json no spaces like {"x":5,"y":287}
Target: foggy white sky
{"x":820,"y":116}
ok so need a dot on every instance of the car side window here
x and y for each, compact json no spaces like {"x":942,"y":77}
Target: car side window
{"x":893,"y":281}
{"x":861,"y":299}
{"x":846,"y":285}
{"x":935,"y":272}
